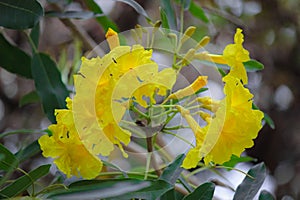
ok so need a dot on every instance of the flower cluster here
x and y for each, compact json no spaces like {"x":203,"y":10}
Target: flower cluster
{"x":127,"y":78}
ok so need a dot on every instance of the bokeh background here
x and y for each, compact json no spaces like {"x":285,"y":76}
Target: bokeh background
{"x":272,"y":33}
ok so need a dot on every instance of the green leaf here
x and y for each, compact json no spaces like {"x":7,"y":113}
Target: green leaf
{"x":253,"y":65}
{"x":173,"y":170}
{"x":17,"y":14}
{"x":267,"y":118}
{"x":73,"y":14}
{"x":22,"y":183}
{"x":164,"y":18}
{"x":9,"y":161}
{"x":265,"y":195}
{"x":250,"y":186}
{"x":137,"y":7}
{"x":104,"y":21}
{"x":31,"y":97}
{"x":166,"y":5}
{"x":172,"y":194}
{"x":203,"y":192}
{"x":29,"y":151}
{"x":198,"y":12}
{"x":13,"y":59}
{"x":48,"y":83}
{"x":269,"y":121}
{"x":186,"y":4}
{"x":235,"y":160}
{"x":34,"y":36}
{"x":122,"y":189}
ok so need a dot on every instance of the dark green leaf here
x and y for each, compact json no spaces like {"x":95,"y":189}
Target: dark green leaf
{"x":203,"y":192}
{"x":265,"y":195}
{"x":9,"y":161}
{"x":173,"y":170}
{"x":250,"y":186}
{"x":253,"y":65}
{"x":22,"y":183}
{"x":23,"y":14}
{"x":155,"y":190}
{"x":73,"y":14}
{"x":13,"y":59}
{"x":198,"y":12}
{"x":137,"y":7}
{"x":29,"y":151}
{"x":170,"y":13}
{"x":48,"y":83}
{"x":168,"y":195}
{"x":235,"y":160}
{"x":122,"y":189}
{"x":34,"y":36}
{"x":104,"y":21}
{"x":31,"y":97}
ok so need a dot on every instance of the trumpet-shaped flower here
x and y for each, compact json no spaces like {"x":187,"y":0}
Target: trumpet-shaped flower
{"x":230,"y":131}
{"x":90,"y":125}
{"x":235,"y":55}
{"x":235,"y":124}
{"x":69,"y":154}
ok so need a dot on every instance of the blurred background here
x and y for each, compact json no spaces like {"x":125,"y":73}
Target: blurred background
{"x":272,"y":35}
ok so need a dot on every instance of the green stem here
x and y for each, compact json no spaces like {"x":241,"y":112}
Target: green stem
{"x":25,"y":131}
{"x":175,"y":127}
{"x":179,"y":137}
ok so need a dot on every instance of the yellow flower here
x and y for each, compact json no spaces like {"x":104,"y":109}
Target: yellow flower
{"x":96,"y":111}
{"x":241,"y":123}
{"x":235,"y":55}
{"x":230,"y":131}
{"x":143,"y":82}
{"x":199,"y":83}
{"x":69,"y":154}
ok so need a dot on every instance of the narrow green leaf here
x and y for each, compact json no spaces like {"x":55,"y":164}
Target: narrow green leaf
{"x":111,"y":165}
{"x":22,"y":183}
{"x":253,"y":65}
{"x":170,"y":13}
{"x":29,"y":151}
{"x":34,"y":36}
{"x":269,"y":121}
{"x":265,"y":195}
{"x":73,"y":14}
{"x":164,"y":18}
{"x":31,"y":97}
{"x":9,"y":161}
{"x":173,"y":170}
{"x":137,"y":7}
{"x":168,"y":195}
{"x":155,"y":190}
{"x":235,"y":160}
{"x":122,"y":189}
{"x":203,"y":192}
{"x":186,"y":4}
{"x":250,"y":186}
{"x":13,"y":59}
{"x":104,"y":21}
{"x":198,"y":12}
{"x":48,"y":83}
{"x":23,"y":14}
{"x":267,"y":118}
